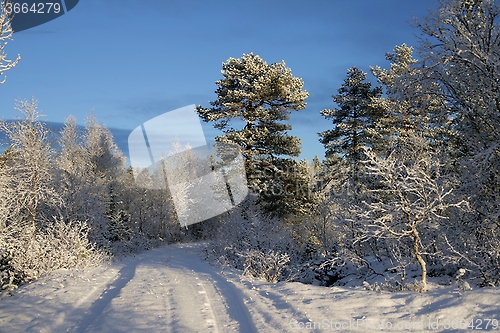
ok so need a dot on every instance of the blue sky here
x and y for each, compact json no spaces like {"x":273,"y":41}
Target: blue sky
{"x":132,"y":60}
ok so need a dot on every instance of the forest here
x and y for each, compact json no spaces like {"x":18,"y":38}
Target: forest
{"x":408,"y":189}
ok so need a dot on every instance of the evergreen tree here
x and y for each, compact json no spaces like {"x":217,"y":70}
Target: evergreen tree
{"x":355,"y":123}
{"x":412,"y":104}
{"x":401,"y":116}
{"x":106,"y":165}
{"x":254,"y":101}
{"x":289,"y":190}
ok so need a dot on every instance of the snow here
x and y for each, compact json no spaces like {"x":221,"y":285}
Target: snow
{"x":172,"y":289}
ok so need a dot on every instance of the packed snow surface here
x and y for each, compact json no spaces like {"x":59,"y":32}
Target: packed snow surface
{"x":171,"y":289}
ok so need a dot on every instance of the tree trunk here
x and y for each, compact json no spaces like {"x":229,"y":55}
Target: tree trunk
{"x":423,"y":266}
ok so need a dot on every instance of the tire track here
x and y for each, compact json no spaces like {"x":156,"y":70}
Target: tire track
{"x":222,"y":299}
{"x":168,"y":289}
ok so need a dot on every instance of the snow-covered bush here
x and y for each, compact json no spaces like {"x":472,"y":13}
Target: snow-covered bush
{"x":26,"y":254}
{"x":325,"y":271}
{"x":341,"y":268}
{"x":270,"y":266}
{"x":261,"y":246}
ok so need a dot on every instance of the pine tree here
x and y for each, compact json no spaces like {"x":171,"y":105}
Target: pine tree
{"x":355,"y":123}
{"x":401,"y":116}
{"x":412,"y":104}
{"x":289,"y":190}
{"x":106,"y":165}
{"x":254,"y":101}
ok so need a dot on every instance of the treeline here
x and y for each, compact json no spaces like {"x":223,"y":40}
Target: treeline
{"x":410,"y":179}
{"x":73,"y":205}
{"x":411,"y":175}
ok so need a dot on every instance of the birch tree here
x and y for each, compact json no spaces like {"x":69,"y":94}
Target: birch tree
{"x":461,"y":51}
{"x":75,"y":184}
{"x":90,"y":165}
{"x":30,"y":187}
{"x":414,"y":200}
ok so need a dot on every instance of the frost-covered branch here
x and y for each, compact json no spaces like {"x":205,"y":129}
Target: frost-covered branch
{"x":5,"y":35}
{"x":412,"y":199}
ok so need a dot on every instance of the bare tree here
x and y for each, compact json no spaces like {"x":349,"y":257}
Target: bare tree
{"x":413,"y":199}
{"x":29,"y":199}
{"x":29,"y":168}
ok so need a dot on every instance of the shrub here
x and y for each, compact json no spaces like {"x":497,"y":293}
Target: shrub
{"x":28,"y":253}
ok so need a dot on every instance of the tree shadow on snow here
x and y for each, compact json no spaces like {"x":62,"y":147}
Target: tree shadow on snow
{"x":125,"y":275}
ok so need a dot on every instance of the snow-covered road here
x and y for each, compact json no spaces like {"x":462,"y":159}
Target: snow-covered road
{"x":170,"y":289}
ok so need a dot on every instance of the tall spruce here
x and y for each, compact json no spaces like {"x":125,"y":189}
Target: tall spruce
{"x":355,"y":124}
{"x":412,"y":104}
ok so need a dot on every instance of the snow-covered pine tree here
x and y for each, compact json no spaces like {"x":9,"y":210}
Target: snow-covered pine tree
{"x":106,"y":158}
{"x":289,"y":190}
{"x":254,"y":101}
{"x":413,"y":104}
{"x":5,"y":35}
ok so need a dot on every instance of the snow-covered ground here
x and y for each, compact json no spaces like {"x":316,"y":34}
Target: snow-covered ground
{"x":170,"y":289}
